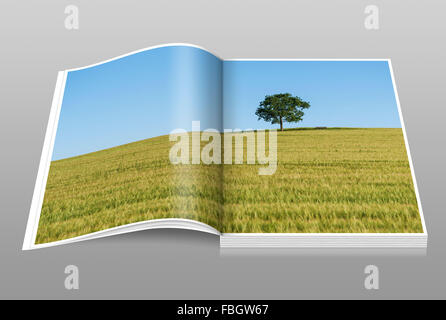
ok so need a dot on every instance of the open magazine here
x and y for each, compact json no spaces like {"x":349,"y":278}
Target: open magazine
{"x":263,"y":153}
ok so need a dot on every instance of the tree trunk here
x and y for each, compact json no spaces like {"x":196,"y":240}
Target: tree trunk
{"x":281,"y":124}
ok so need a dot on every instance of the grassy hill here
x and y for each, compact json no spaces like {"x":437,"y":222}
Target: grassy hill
{"x":329,"y":180}
{"x":332,"y":180}
{"x":125,"y":184}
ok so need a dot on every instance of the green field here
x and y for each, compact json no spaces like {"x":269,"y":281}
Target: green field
{"x":332,"y":180}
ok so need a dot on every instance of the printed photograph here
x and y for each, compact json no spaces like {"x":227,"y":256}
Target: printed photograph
{"x":244,"y":146}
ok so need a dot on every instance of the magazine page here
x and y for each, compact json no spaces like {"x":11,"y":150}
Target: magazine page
{"x":120,"y":137}
{"x":332,"y":168}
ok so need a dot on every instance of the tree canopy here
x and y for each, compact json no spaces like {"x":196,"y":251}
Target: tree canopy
{"x":281,"y":107}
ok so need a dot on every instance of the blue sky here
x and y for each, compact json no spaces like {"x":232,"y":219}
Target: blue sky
{"x":153,"y":92}
{"x":144,"y":95}
{"x":341,"y":93}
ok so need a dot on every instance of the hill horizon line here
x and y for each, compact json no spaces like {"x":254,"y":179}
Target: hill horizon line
{"x":249,"y":130}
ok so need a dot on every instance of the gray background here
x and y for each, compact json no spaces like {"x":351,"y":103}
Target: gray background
{"x":182,"y":264}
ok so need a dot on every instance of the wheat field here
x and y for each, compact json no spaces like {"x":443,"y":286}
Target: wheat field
{"x":333,"y":180}
{"x":336,"y":180}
